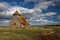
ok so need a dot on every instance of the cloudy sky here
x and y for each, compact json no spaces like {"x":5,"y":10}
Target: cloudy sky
{"x":37,"y":12}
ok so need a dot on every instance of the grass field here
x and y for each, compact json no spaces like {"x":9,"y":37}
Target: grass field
{"x":30,"y":33}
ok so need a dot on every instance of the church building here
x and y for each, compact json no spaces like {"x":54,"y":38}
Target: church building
{"x":18,"y":21}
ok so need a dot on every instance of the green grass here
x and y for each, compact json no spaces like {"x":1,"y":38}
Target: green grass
{"x":30,"y":33}
{"x":21,"y":33}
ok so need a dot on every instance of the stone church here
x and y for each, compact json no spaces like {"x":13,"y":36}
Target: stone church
{"x":18,"y":21}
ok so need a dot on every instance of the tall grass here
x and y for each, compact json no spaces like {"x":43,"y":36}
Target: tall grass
{"x":28,"y":33}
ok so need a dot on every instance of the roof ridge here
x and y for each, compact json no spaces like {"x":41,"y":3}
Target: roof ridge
{"x":16,"y":13}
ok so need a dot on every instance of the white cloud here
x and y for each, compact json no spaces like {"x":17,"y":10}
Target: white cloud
{"x":41,"y":22}
{"x":3,"y":4}
{"x":4,"y":22}
{"x":3,"y":8}
{"x":49,"y":14}
{"x":39,"y":7}
{"x":44,"y":5}
{"x":12,"y":9}
{"x":40,"y":18}
{"x":59,"y":17}
{"x":35,"y":1}
{"x":56,"y":0}
{"x":36,"y":11}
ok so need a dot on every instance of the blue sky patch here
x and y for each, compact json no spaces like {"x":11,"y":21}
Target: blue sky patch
{"x":37,"y":12}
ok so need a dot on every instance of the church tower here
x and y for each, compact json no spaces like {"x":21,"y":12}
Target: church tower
{"x":18,"y":21}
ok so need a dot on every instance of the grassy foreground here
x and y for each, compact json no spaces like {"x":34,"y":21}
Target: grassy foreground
{"x":31,"y":33}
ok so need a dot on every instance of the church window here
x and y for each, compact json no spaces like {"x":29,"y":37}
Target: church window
{"x":14,"y":23}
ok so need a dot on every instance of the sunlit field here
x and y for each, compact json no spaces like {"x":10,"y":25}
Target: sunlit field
{"x":30,"y":33}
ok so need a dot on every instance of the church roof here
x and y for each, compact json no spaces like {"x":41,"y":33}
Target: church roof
{"x":22,"y":19}
{"x":16,"y":13}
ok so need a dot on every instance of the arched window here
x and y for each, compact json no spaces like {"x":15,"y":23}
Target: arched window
{"x":14,"y":23}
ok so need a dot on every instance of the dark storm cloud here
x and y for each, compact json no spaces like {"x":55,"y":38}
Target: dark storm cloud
{"x":5,"y":17}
